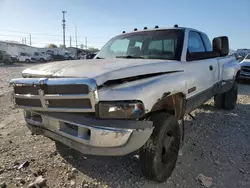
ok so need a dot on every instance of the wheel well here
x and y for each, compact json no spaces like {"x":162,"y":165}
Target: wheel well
{"x":238,"y":73}
{"x":173,"y":104}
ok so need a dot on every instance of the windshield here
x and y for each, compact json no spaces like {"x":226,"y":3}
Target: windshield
{"x":248,"y":56}
{"x":161,"y":44}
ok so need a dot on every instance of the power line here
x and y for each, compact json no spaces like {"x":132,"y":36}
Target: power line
{"x":40,"y":41}
{"x":42,"y":34}
{"x":51,"y":35}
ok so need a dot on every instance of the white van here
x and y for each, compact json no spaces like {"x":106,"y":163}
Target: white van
{"x":24,"y":57}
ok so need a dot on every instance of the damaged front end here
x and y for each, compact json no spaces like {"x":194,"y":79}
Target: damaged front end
{"x":68,"y":110}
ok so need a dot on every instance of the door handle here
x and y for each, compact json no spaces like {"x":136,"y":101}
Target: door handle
{"x":210,"y":67}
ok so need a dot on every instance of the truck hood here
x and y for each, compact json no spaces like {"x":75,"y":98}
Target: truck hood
{"x":103,"y":70}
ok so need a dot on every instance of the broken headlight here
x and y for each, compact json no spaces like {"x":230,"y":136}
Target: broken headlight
{"x":121,"y":110}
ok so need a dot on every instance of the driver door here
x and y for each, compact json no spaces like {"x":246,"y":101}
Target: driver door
{"x":201,"y":71}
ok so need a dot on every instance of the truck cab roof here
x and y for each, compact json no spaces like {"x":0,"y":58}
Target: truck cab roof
{"x":160,"y":29}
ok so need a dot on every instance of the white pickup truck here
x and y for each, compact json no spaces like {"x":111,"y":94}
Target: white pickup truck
{"x":24,"y":57}
{"x":131,"y":95}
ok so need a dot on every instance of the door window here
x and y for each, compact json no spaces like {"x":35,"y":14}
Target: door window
{"x":207,"y":42}
{"x":195,"y":43}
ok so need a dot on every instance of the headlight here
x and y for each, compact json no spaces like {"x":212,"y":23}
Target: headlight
{"x":121,"y":109}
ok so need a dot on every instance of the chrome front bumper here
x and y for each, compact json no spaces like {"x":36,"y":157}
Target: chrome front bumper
{"x":93,"y":140}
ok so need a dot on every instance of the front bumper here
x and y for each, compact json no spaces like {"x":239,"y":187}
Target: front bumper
{"x":89,"y":135}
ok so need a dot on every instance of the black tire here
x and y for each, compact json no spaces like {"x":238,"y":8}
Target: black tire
{"x":159,"y":155}
{"x":219,"y":101}
{"x":237,"y":78}
{"x":42,"y":60}
{"x":231,"y":97}
{"x":228,"y":99}
{"x":27,"y":61}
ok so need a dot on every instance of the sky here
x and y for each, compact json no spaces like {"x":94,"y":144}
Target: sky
{"x":99,"y":20}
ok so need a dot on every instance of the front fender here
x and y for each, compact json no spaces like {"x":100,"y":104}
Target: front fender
{"x":148,"y":90}
{"x":230,"y":69}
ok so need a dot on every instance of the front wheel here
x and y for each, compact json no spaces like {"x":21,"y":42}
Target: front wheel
{"x":27,"y":61}
{"x":42,"y":60}
{"x":159,"y":155}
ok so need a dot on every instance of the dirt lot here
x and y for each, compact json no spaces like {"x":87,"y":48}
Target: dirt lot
{"x":217,"y":145}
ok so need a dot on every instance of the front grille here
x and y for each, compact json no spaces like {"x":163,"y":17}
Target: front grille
{"x":26,"y":90}
{"x":69,"y":103}
{"x":28,"y":102}
{"x":246,"y":70}
{"x":67,"y":89}
{"x":248,"y":67}
{"x":76,"y":95}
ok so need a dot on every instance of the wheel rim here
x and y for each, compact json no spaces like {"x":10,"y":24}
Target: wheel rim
{"x":168,"y":148}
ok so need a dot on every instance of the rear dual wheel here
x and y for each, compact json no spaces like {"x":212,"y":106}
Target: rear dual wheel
{"x":159,"y":155}
{"x":228,"y":99}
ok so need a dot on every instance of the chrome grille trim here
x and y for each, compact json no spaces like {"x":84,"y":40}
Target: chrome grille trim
{"x":56,"y":96}
{"x":40,"y":83}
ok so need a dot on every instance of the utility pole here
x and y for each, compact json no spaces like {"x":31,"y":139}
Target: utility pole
{"x":76,"y":35}
{"x":86,"y":43}
{"x":22,"y":41}
{"x":63,"y":26}
{"x":70,"y":41}
{"x":30,"y":39}
{"x":25,"y":41}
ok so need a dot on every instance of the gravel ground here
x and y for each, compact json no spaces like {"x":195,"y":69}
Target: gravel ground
{"x":217,"y":145}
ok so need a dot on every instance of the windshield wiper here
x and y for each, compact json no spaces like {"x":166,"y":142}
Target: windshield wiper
{"x":130,"y":57}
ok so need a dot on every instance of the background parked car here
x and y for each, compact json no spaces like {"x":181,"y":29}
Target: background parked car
{"x":58,"y":57}
{"x":68,"y":56}
{"x":39,"y":57}
{"x":24,"y":57}
{"x":5,"y":58}
{"x":14,"y":58}
{"x":47,"y":56}
{"x":90,"y":56}
{"x":87,"y":56}
{"x":50,"y":52}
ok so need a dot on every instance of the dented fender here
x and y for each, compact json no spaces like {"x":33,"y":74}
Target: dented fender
{"x":148,"y":90}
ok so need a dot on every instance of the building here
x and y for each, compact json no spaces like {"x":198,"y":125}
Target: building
{"x":14,"y":48}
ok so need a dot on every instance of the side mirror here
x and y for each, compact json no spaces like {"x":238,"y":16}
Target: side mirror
{"x":221,"y":45}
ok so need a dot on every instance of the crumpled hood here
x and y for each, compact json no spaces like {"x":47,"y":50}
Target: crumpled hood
{"x":102,"y":69}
